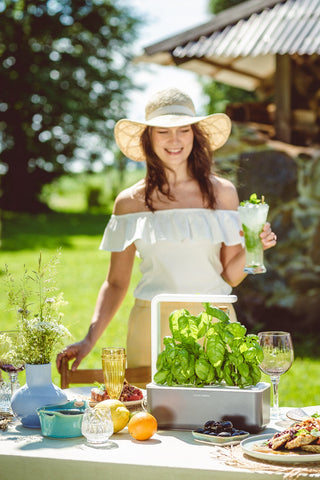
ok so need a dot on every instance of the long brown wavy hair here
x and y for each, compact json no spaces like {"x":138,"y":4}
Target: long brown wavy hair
{"x":200,"y":167}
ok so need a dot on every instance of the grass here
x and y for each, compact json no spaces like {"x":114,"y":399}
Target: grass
{"x":300,"y":386}
{"x":82,"y":270}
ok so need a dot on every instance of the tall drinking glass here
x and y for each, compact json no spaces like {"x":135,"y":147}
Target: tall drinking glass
{"x":253,"y":218}
{"x":114,"y":362}
{"x":278,"y":357}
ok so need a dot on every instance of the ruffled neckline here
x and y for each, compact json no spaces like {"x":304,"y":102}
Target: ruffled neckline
{"x":172,"y":225}
{"x":173,"y":211}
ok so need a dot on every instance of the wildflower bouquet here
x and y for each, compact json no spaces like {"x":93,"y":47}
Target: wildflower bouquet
{"x":38,"y":304}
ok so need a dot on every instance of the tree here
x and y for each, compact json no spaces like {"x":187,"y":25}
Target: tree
{"x":64,"y":73}
{"x":221,"y":94}
{"x":216,"y":6}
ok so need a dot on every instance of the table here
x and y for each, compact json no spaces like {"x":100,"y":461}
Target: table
{"x":26,"y":454}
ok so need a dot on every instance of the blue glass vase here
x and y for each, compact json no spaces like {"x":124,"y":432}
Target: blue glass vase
{"x":38,"y":391}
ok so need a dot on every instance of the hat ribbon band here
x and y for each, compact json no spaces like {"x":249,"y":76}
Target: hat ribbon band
{"x":171,"y":110}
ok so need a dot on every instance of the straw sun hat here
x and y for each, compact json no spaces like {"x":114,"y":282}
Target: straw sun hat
{"x":169,"y":108}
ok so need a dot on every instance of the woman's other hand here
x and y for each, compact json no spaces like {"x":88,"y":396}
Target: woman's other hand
{"x":77,"y":350}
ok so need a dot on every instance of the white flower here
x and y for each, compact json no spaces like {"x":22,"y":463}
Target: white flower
{"x":43,"y":333}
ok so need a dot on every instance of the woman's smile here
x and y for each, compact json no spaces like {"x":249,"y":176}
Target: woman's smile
{"x":174,"y":151}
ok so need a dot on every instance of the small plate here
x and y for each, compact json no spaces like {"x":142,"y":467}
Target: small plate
{"x":215,"y":440}
{"x":289,"y":456}
{"x":297,"y":415}
{"x":84,"y":393}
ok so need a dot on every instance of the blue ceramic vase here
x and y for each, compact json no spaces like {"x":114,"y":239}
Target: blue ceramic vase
{"x":38,"y":391}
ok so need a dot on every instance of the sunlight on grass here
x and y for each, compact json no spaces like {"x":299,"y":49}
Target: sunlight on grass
{"x":82,"y":269}
{"x":300,"y":385}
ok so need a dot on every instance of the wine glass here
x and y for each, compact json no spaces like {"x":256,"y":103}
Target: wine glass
{"x":114,"y":362}
{"x":8,"y":342}
{"x":278,"y":357}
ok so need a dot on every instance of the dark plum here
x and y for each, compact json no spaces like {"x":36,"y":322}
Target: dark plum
{"x":220,"y":429}
{"x":227,"y":426}
{"x":212,"y":424}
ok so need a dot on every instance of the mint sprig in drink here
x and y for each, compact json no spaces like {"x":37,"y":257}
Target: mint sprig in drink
{"x":253,"y":216}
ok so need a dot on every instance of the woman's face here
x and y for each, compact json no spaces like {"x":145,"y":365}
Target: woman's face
{"x":172,"y":145}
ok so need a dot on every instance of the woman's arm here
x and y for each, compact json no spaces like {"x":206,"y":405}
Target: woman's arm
{"x":233,"y":262}
{"x":109,"y":299}
{"x":113,"y":289}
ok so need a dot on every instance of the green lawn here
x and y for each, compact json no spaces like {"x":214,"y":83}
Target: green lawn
{"x":82,"y":269}
{"x":80,"y":274}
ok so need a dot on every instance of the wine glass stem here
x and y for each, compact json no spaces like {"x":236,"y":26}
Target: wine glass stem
{"x":13,"y":381}
{"x":275,"y":385}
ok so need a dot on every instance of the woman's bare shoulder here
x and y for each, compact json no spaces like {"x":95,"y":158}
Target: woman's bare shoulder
{"x":226,"y":194}
{"x":130,"y":200}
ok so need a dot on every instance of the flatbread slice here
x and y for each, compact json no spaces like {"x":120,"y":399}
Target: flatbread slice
{"x":280,"y":440}
{"x":300,"y":440}
{"x":311,"y":448}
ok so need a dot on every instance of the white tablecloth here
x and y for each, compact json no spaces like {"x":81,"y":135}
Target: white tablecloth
{"x":25,"y":454}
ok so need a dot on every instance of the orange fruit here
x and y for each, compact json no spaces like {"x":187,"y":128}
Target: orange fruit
{"x":142,"y":426}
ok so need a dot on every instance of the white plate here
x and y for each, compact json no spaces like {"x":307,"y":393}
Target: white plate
{"x":249,"y":444}
{"x":215,"y":440}
{"x":84,"y":393}
{"x":294,"y":413}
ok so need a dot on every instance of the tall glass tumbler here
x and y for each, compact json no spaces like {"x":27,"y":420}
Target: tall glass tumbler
{"x":253,"y":218}
{"x":114,"y":362}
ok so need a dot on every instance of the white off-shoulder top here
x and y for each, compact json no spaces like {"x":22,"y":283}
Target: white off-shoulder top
{"x":179,"y":248}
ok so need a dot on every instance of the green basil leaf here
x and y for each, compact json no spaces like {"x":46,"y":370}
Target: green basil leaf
{"x":215,"y":350}
{"x":216,"y":313}
{"x":236,"y":329}
{"x":161,"y":376}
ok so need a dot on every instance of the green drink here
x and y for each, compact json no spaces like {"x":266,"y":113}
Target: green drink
{"x":253,"y":216}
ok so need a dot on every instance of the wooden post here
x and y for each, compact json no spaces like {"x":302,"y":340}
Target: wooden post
{"x":283,"y":92}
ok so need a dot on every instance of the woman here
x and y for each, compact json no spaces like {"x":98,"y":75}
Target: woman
{"x":181,"y":219}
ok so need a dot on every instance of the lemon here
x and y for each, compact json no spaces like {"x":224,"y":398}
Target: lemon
{"x":119,"y":413}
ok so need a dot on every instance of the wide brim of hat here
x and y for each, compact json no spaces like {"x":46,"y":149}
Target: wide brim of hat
{"x":128,"y":133}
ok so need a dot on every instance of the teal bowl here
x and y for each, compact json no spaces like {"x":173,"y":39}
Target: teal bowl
{"x":62,"y":421}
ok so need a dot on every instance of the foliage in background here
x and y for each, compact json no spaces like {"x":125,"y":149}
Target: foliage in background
{"x":93,"y":192}
{"x":217,"y":6}
{"x":83,"y":266}
{"x":37,"y":302}
{"x":221,"y":94}
{"x":64,"y":72}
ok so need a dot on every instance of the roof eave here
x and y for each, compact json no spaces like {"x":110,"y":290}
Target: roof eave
{"x":218,"y":22}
